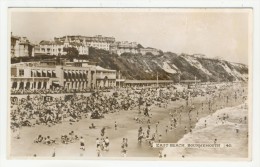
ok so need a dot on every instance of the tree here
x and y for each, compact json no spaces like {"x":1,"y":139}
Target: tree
{"x":149,"y":54}
{"x":139,"y":46}
{"x":71,"y":52}
{"x":160,"y":53}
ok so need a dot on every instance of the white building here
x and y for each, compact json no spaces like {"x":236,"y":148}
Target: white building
{"x":56,"y":47}
{"x":124,"y":47}
{"x":21,"y":47}
{"x":131,"y":47}
{"x":98,"y":41}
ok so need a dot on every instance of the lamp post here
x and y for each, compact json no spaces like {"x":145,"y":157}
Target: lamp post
{"x":33,"y":77}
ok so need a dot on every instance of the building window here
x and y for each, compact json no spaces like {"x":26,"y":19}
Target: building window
{"x":21,"y":72}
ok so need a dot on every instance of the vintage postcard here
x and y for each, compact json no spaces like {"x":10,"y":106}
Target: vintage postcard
{"x":126,"y":83}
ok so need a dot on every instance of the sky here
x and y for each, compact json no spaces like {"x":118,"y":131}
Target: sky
{"x":224,"y":33}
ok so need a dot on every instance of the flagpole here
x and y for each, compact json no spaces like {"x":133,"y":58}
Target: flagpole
{"x":119,"y":79}
{"x":157,"y":79}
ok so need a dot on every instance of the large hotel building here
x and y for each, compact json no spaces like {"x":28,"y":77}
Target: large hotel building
{"x":98,"y":41}
{"x":71,"y":75}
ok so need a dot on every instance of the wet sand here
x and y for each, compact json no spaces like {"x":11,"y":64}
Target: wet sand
{"x":127,"y":128}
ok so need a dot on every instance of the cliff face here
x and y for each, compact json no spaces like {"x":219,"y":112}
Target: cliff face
{"x":171,"y":66}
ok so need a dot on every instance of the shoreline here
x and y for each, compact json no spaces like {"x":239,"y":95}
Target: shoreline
{"x":224,"y":132}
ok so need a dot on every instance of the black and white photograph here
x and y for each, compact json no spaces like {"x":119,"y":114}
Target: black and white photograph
{"x":130,"y":83}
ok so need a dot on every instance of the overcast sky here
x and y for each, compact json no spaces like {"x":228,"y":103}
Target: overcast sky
{"x":215,"y":33}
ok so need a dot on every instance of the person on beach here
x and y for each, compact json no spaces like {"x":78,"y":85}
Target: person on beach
{"x":148,"y":133}
{"x":185,"y":129}
{"x":151,"y":141}
{"x":160,"y":154}
{"x":237,"y":128}
{"x":39,"y":139}
{"x":107,"y":144}
{"x":215,"y":141}
{"x":240,"y":120}
{"x":227,"y":100}
{"x":102,"y":144}
{"x":92,"y":126}
{"x":140,"y":137}
{"x":54,"y":152}
{"x":82,"y":143}
{"x":205,"y":123}
{"x":166,"y":129}
{"x":224,"y":118}
{"x":160,"y":138}
{"x":126,"y":142}
{"x":140,"y":130}
{"x":146,"y":111}
{"x":102,"y":132}
{"x":156,"y":127}
{"x":171,"y":127}
{"x":48,"y":140}
{"x":97,"y":142}
{"x":98,"y":151}
{"x":148,"y":121}
{"x":123,"y":152}
{"x":115,"y":125}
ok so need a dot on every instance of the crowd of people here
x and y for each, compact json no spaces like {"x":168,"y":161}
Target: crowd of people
{"x":35,"y":110}
{"x":38,"y":110}
{"x":57,"y":90}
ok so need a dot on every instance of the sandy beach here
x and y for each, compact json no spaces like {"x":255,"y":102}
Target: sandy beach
{"x":128,"y":128}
